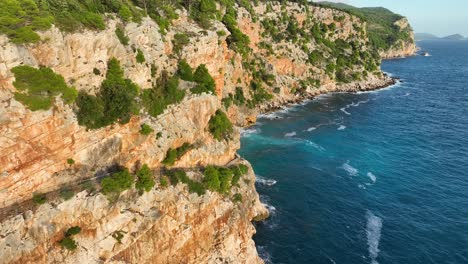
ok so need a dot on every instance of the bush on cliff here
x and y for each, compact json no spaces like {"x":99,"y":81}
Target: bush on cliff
{"x":37,"y":88}
{"x":117,"y":182}
{"x":205,"y":83}
{"x":114,"y":103}
{"x":145,"y":181}
{"x":68,"y":243}
{"x":220,"y":126}
{"x":164,"y":93}
{"x":184,"y":71}
{"x":173,"y":155}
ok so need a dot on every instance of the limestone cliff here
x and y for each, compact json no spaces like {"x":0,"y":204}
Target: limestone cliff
{"x":403,"y":47}
{"x":303,"y":57}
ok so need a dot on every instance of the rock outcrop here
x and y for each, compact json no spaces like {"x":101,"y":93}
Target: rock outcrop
{"x":402,"y":48}
{"x":164,"y":225}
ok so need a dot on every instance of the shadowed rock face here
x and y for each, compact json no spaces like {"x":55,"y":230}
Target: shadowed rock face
{"x":164,"y":225}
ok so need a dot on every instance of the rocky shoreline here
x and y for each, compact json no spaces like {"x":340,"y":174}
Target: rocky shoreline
{"x":355,"y":87}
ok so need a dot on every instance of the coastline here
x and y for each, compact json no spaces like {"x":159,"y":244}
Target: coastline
{"x":363,"y":86}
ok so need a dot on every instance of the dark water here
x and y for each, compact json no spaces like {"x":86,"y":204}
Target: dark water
{"x":379,"y":177}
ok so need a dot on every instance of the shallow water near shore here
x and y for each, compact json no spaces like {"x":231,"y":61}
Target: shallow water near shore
{"x":374,"y":177}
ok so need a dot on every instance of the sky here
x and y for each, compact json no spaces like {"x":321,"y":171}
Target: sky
{"x":439,"y":17}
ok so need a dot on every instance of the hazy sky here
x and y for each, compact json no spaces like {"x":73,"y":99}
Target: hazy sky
{"x":440,"y":17}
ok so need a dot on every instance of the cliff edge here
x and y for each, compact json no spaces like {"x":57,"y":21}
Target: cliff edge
{"x":119,"y":123}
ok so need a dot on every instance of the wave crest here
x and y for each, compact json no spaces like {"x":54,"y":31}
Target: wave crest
{"x":373,"y":231}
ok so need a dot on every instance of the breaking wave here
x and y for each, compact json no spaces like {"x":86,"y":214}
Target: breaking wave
{"x":349,"y":169}
{"x":341,"y":127}
{"x":291,"y":134}
{"x":266,"y":182}
{"x":373,"y":231}
{"x":372,"y":177}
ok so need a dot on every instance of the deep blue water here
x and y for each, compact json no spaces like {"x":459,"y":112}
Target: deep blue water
{"x":378,"y":177}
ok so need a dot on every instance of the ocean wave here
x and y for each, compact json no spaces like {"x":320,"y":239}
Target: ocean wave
{"x":310,"y":129}
{"x":341,"y":127}
{"x":373,"y":231}
{"x":343,"y":109}
{"x":266,"y":182}
{"x":249,"y":131}
{"x":349,"y":169}
{"x":315,"y":145}
{"x":359,"y":103}
{"x":362,"y":186}
{"x":271,"y":116}
{"x":372,"y":177}
{"x":291,"y":134}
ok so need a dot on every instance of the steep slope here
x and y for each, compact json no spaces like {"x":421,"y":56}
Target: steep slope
{"x":390,"y":33}
{"x":152,"y":91}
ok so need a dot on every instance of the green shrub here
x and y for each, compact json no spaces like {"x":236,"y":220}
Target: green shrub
{"x":180,"y":40}
{"x":117,"y":182}
{"x":125,"y":13}
{"x":39,"y":198}
{"x":73,"y":231}
{"x":145,"y":180}
{"x":118,"y":235}
{"x":91,"y":111}
{"x":70,"y":161}
{"x":140,"y":57}
{"x":66,"y":194}
{"x":163,"y":182}
{"x":196,"y":187}
{"x":164,"y":93}
{"x":211,"y":179}
{"x":114,"y":103}
{"x":96,"y":71}
{"x":184,"y":71}
{"x":220,"y":126}
{"x":68,"y":243}
{"x":173,"y":155}
{"x":237,"y":41}
{"x":225,"y":178}
{"x":121,"y":36}
{"x":20,"y":18}
{"x":37,"y":88}
{"x":146,"y":129}
{"x":205,"y":83}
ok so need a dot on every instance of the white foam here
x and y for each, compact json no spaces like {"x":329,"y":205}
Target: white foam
{"x":349,"y":169}
{"x":291,"y":134}
{"x":373,"y":231}
{"x":372,"y":177}
{"x":341,"y":127}
{"x":398,"y":83}
{"x":310,"y":129}
{"x":343,"y":109}
{"x":266,"y":182}
{"x":315,"y":145}
{"x":359,"y":103}
{"x":249,"y":131}
{"x":362,"y":186}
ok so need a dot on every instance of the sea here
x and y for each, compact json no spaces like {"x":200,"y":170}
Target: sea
{"x":371,"y":177}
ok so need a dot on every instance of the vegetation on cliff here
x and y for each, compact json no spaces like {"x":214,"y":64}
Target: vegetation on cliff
{"x":114,"y":103}
{"x":382,"y":29}
{"x":220,"y":126}
{"x":37,"y":88}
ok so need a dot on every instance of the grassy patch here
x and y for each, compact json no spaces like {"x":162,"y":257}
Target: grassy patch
{"x":37,"y":88}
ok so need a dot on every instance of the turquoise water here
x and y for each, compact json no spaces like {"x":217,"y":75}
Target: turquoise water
{"x":378,"y":177}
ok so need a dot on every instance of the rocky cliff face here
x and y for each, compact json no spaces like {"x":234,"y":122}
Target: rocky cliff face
{"x":403,"y":48}
{"x":165,"y":225}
